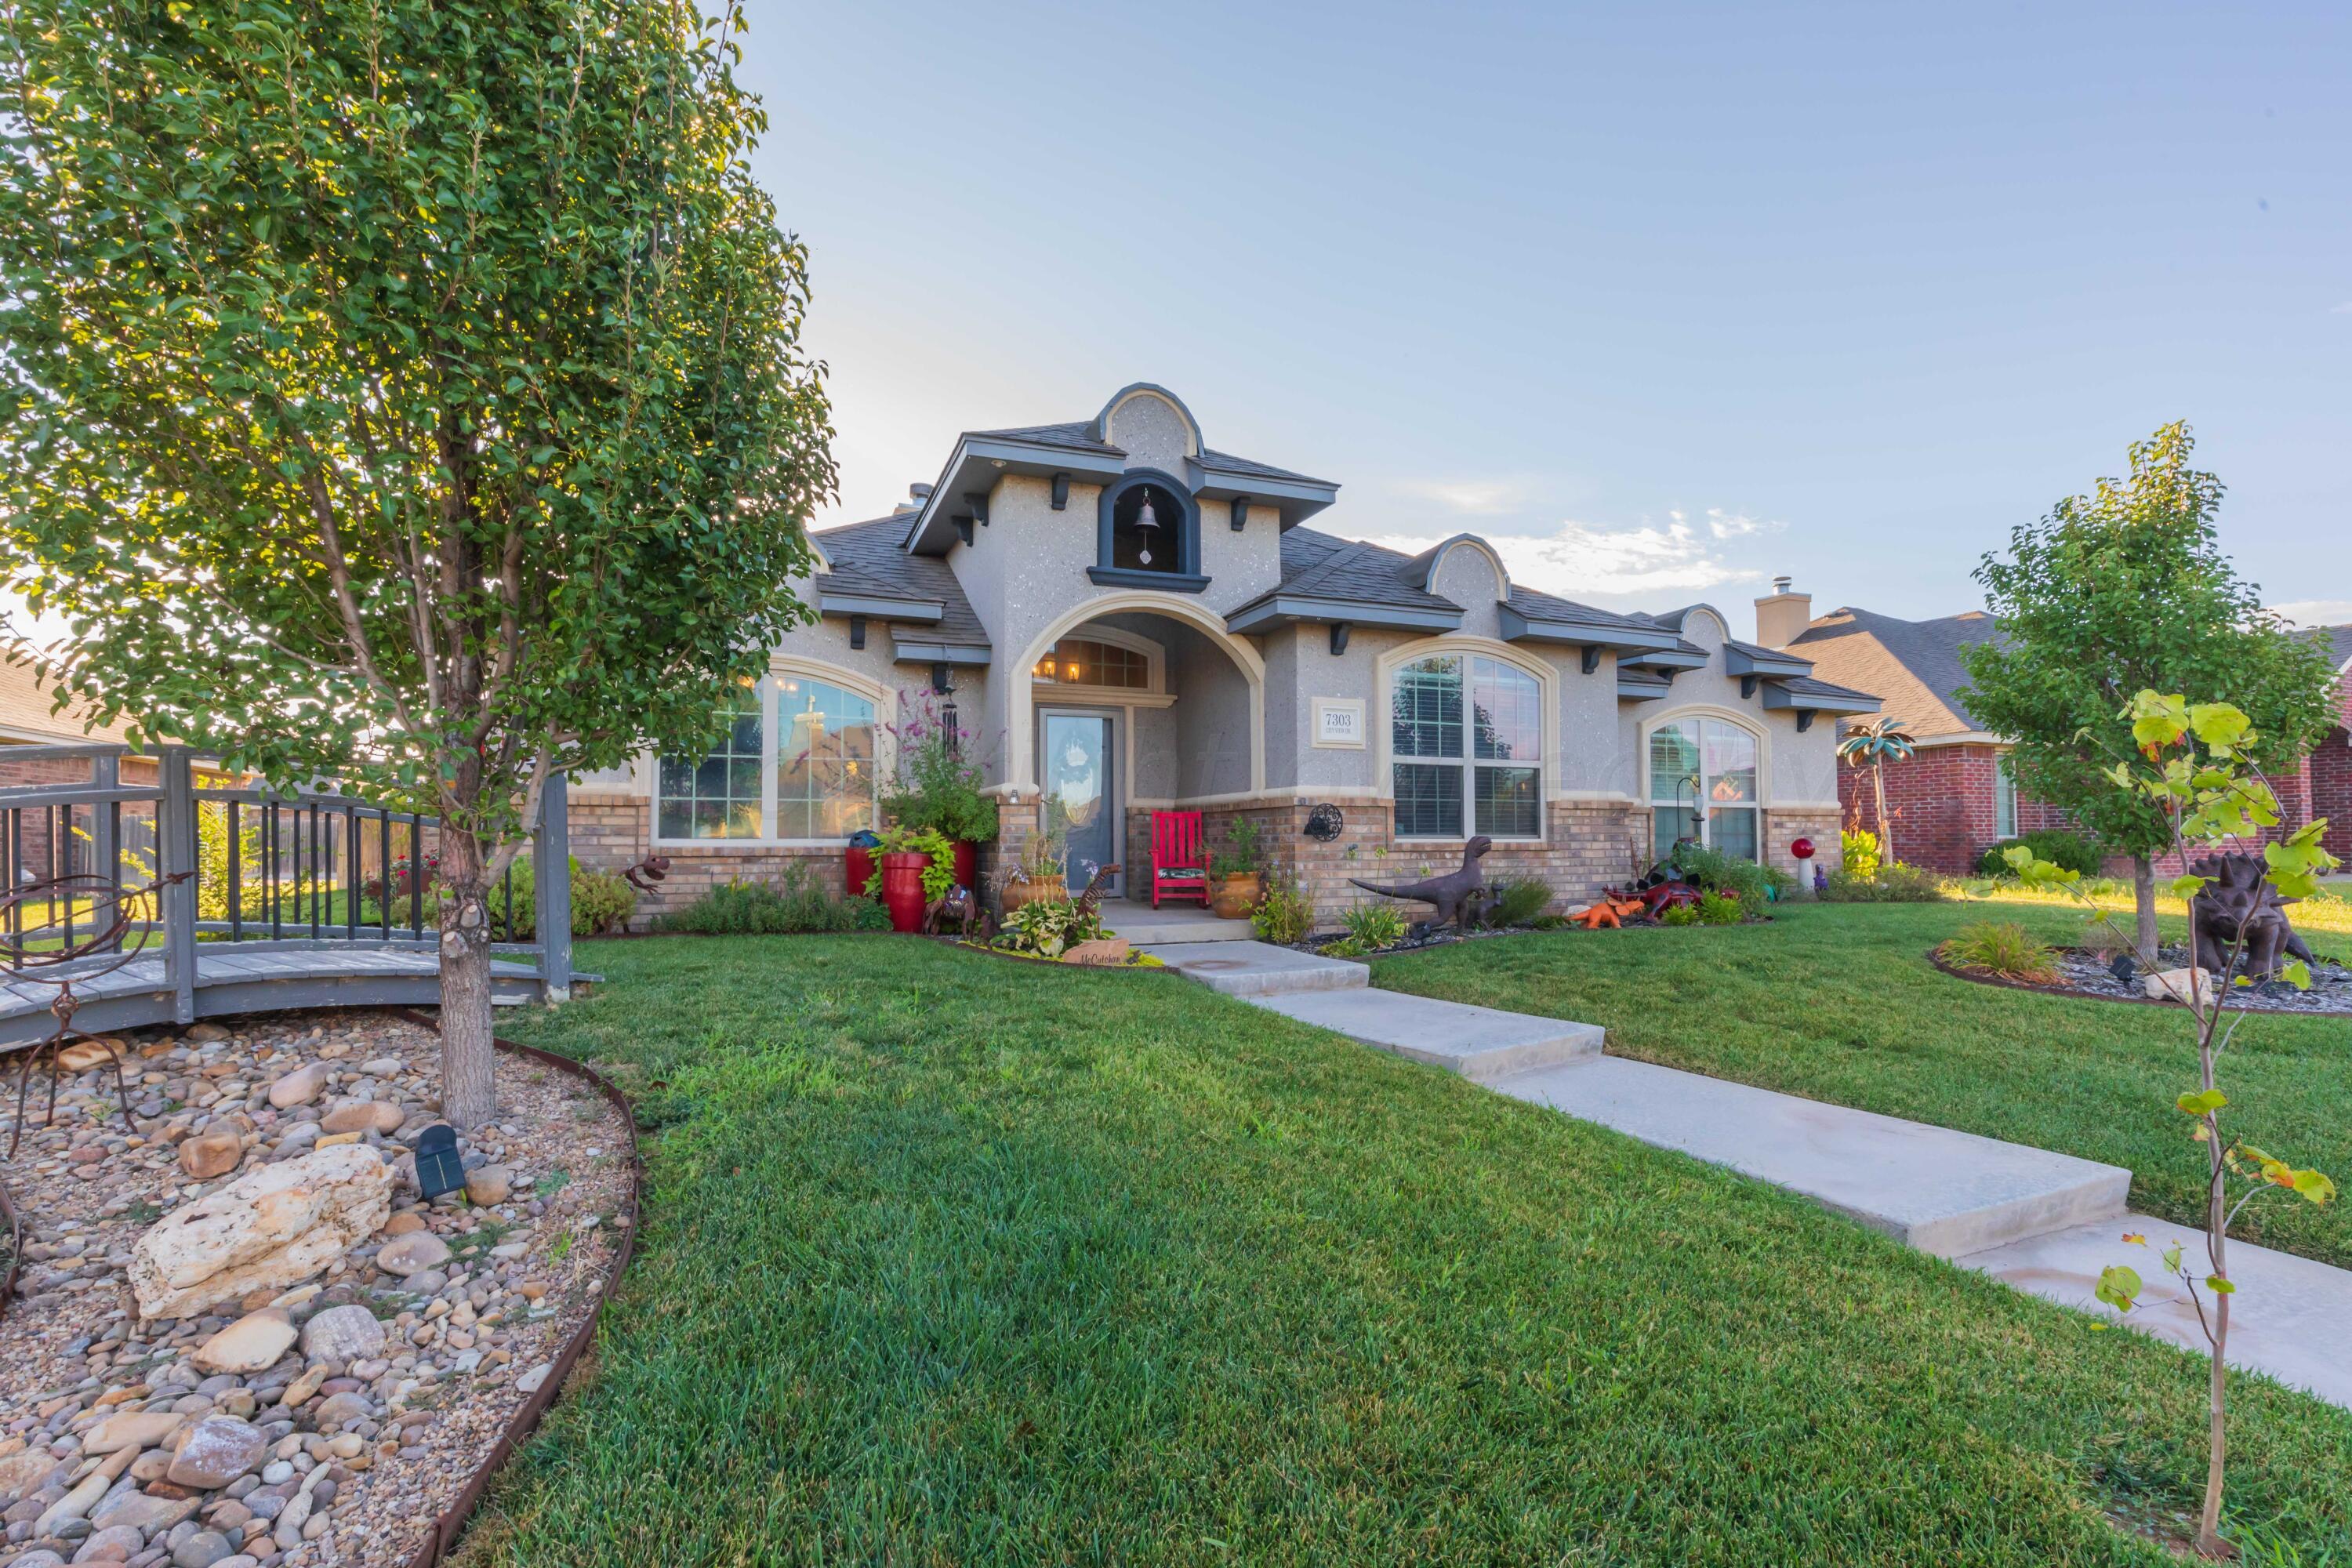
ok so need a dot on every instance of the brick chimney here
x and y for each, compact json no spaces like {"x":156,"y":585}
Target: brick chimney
{"x":1781,"y":615}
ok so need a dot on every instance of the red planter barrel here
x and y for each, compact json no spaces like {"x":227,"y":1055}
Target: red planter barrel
{"x":967,"y":866}
{"x":902,"y":890}
{"x":857,"y":869}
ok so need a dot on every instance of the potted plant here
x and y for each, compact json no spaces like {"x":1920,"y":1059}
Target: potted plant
{"x":1037,"y":876}
{"x":1237,"y":872}
{"x":933,"y":788}
{"x":915,"y":865}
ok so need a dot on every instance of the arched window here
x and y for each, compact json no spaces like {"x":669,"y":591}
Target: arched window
{"x":797,"y":762}
{"x":1465,"y":736}
{"x":1148,"y":534}
{"x":1704,"y":786}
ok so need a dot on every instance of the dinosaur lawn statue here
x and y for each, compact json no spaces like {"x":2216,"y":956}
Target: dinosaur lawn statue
{"x":2238,"y":905}
{"x":1451,"y":894}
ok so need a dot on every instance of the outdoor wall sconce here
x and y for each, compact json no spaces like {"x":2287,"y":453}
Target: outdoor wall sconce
{"x":1240,"y":513}
{"x":438,"y":1168}
{"x":1339,"y":630}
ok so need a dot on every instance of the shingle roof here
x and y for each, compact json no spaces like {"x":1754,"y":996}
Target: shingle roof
{"x":1078,"y":434}
{"x":1538,"y":606}
{"x":1913,"y":667}
{"x":1810,"y":686}
{"x":1321,"y":566}
{"x":1226,"y":463}
{"x":867,"y":557}
{"x":26,"y":704}
{"x":2337,"y":640}
{"x":1754,"y":652}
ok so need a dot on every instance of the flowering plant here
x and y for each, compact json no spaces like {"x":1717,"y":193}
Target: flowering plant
{"x":933,"y":786}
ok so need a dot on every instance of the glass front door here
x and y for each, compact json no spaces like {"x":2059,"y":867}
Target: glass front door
{"x":1079,"y":792}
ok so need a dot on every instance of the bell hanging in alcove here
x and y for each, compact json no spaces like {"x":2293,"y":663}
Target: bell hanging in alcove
{"x":1145,"y":521}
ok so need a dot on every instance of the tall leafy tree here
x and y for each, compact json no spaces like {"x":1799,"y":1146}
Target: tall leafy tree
{"x":2124,"y":590}
{"x":404,"y":390}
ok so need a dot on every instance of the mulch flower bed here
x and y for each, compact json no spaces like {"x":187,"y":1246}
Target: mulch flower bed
{"x":409,"y":1355}
{"x":2087,"y":973}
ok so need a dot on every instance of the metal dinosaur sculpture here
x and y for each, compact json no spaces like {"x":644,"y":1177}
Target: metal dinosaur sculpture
{"x":2239,"y":906}
{"x":1451,"y":895}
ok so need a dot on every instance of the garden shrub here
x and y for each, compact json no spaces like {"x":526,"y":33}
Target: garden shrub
{"x":1345,"y":947}
{"x":1517,"y":903}
{"x":1047,"y":928}
{"x":1679,"y":915}
{"x":1720,"y":909}
{"x":797,"y":907}
{"x":1283,"y":915}
{"x":601,"y":903}
{"x":1860,"y":854}
{"x":1712,"y":870}
{"x":1895,"y":883}
{"x":2001,"y":947}
{"x":1375,"y":926}
{"x":2066,"y":850}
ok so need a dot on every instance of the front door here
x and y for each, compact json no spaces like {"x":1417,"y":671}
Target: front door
{"x":1080,"y":792}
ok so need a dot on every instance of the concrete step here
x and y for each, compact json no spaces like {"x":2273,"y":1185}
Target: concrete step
{"x":1144,"y":926}
{"x":1256,"y":969}
{"x":2290,"y":1318}
{"x":1943,"y":1191}
{"x":1482,"y":1044}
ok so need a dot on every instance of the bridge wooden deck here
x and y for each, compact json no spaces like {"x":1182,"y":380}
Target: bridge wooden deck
{"x":250,"y":978}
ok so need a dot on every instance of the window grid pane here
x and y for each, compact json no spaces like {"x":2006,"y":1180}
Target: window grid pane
{"x":717,"y":797}
{"x":1428,"y":801}
{"x":1082,"y":661}
{"x":1670,"y":826}
{"x":1509,"y":804}
{"x":1425,"y":712}
{"x":1732,"y":829}
{"x":1730,"y":763}
{"x":1673,"y":764}
{"x":1506,"y":704}
{"x":824,"y":760}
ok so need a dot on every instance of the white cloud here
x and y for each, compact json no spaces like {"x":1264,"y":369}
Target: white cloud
{"x":1474,"y":498}
{"x":1648,"y":565}
{"x":2316,"y":612}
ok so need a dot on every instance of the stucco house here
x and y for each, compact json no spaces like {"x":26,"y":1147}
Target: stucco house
{"x":1130,"y":619}
{"x":1954,"y":797}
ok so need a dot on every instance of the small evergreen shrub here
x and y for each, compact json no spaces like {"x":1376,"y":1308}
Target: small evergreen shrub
{"x":1679,"y":915}
{"x":1712,"y":870}
{"x":2068,"y":851}
{"x":1720,"y":909}
{"x":1519,"y":902}
{"x":795,"y":906}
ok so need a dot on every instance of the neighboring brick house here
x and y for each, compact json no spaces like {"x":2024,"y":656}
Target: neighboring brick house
{"x":1954,"y":797}
{"x":1131,"y":620}
{"x":29,"y":840}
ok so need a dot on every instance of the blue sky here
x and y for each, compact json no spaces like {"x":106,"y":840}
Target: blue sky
{"x":1667,"y":298}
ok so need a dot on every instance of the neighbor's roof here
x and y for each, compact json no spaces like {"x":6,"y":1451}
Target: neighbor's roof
{"x":866,"y":558}
{"x":2337,"y":641}
{"x":1913,"y":667}
{"x":28,"y":712}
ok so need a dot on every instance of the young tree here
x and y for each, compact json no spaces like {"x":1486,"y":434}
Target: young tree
{"x":2119,"y":590}
{"x":407,"y":392}
{"x":2188,"y":764}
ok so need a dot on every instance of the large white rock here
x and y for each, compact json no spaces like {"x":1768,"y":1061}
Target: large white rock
{"x":2190,"y":984}
{"x":267,"y":1230}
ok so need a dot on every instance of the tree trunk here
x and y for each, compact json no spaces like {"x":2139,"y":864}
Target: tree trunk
{"x":2144,"y":910}
{"x":2209,"y":1524}
{"x":1886,"y":828}
{"x":469,"y":1097}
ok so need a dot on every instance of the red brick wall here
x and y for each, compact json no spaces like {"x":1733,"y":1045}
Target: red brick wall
{"x":2331,"y":789}
{"x":610,"y":831}
{"x":1940,"y":801}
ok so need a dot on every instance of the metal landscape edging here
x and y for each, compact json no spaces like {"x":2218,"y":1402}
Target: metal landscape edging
{"x":452,"y":1521}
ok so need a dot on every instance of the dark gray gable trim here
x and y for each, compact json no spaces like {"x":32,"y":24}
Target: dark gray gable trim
{"x":974,"y":465}
{"x":833,"y":602}
{"x":1640,"y":685}
{"x":1520,"y":627}
{"x":1280,"y":609}
{"x":1743,"y":658}
{"x":910,"y":650}
{"x":1676,"y":658}
{"x":1780,"y":700}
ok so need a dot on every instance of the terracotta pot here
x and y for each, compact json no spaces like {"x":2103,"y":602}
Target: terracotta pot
{"x":1236,"y":895}
{"x":1035,"y":891}
{"x":902,"y":890}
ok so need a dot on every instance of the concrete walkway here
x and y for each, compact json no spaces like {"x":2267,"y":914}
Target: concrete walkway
{"x":2040,"y":1221}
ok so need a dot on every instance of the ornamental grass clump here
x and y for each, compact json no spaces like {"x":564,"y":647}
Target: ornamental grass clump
{"x":1375,"y":926}
{"x":1519,"y":902}
{"x":2001,"y":947}
{"x":1283,"y":915}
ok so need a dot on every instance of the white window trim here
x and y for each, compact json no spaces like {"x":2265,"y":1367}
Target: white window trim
{"x":1763,"y":804}
{"x":780,"y":667}
{"x":1546,"y":681}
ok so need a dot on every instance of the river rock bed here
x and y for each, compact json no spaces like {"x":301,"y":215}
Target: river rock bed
{"x":330,"y":1422}
{"x":2331,"y":984}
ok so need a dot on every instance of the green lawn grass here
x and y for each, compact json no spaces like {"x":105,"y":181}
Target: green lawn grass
{"x":1838,"y":1002}
{"x":951,"y":1260}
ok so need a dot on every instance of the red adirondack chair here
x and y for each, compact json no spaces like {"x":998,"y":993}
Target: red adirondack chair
{"x":1179,"y":861}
